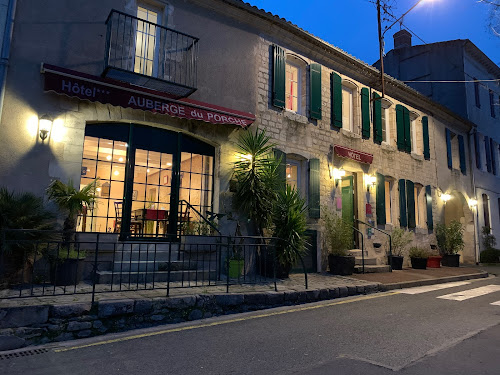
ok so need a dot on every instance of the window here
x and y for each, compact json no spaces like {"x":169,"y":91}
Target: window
{"x":386,"y":127}
{"x":492,"y":104}
{"x":418,"y":211}
{"x":347,"y":109}
{"x":476,"y":93}
{"x":146,"y":49}
{"x":486,"y":210}
{"x":388,"y":201}
{"x":293,"y":174}
{"x":292,"y":88}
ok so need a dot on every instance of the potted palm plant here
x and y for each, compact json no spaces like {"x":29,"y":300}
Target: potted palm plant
{"x":450,"y":240}
{"x":400,"y":240}
{"x":418,"y":256}
{"x":339,"y":240}
{"x":290,"y":225}
{"x":67,"y":261}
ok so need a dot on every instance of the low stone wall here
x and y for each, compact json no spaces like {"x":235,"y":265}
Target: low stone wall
{"x":34,"y":325}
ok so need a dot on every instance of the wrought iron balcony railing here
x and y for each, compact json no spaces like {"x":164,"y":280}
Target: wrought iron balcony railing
{"x":150,"y":55}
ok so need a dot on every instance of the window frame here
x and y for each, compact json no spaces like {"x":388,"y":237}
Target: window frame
{"x":156,"y":53}
{"x":288,"y":62}
{"x":388,"y":188}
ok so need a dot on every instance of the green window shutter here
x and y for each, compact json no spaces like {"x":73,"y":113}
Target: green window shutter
{"x":461,"y":151}
{"x":279,"y":77}
{"x":403,"y":223}
{"x":407,"y":126}
{"x":365,"y":113}
{"x":400,"y":127}
{"x":381,"y":219}
{"x":410,"y":203}
{"x":314,"y":188}
{"x":315,"y":91}
{"x":428,"y":203}
{"x":336,"y":98}
{"x":425,"y":133}
{"x":281,"y":156}
{"x":448,"y":148}
{"x":377,"y":118}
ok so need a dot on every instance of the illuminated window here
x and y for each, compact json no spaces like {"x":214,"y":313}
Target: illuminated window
{"x":418,"y":214}
{"x":146,"y":50}
{"x":293,"y":174}
{"x":347,"y":108}
{"x":388,"y":201}
{"x":292,"y":87}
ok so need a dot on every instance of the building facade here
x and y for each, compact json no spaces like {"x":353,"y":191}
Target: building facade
{"x":150,"y":97}
{"x":472,"y":91}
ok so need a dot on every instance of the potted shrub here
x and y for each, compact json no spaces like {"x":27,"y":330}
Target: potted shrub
{"x":489,"y":254}
{"x":400,"y":240}
{"x":289,"y":227}
{"x":418,"y":258}
{"x":339,"y":240}
{"x":66,"y":266}
{"x":450,"y":241}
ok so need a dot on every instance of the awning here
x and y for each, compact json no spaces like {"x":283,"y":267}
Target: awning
{"x":349,"y":153}
{"x":96,"y":89}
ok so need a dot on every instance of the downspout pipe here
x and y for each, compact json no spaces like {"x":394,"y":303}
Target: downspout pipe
{"x":5,"y":52}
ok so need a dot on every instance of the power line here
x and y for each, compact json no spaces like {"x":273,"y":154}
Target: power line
{"x":466,"y":81}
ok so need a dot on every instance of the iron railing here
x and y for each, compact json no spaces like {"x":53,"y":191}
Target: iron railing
{"x":55,"y":263}
{"x":383,"y":232}
{"x":150,"y":55}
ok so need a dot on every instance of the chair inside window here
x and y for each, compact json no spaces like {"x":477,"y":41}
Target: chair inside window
{"x":135,"y":225}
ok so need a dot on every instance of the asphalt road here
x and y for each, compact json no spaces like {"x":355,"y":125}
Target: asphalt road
{"x":374,"y":334}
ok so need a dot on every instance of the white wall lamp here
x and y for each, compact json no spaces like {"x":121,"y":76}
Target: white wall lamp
{"x":445,"y":197}
{"x":337,"y":175}
{"x":370,"y":181}
{"x":44,"y":126}
{"x":472,"y":203}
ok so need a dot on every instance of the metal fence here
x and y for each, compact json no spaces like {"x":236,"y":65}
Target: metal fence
{"x":46,"y":263}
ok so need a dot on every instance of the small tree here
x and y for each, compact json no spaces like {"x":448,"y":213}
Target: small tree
{"x":450,"y":238}
{"x":338,"y":233}
{"x":400,"y":240}
{"x":489,"y":240}
{"x":256,"y":174}
{"x":72,"y":202}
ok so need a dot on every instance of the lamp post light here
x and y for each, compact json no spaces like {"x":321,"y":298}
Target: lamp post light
{"x":381,"y":38}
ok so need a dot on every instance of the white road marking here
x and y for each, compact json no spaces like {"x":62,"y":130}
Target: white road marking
{"x":471,"y":293}
{"x":497,"y":303}
{"x":430,"y":288}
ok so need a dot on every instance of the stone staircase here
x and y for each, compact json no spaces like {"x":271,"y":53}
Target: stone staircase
{"x":136,"y":262}
{"x":372,"y":264}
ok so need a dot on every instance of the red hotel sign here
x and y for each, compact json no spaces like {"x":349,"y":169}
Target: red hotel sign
{"x":360,"y":156}
{"x":106,"y":91}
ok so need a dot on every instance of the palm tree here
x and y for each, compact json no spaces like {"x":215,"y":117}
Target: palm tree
{"x":257,"y":177}
{"x":72,"y":202}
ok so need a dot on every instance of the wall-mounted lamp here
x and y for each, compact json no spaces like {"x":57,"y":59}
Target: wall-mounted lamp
{"x":44,"y":126}
{"x":337,"y":175}
{"x":472,"y":203}
{"x":370,"y":181}
{"x":445,"y":197}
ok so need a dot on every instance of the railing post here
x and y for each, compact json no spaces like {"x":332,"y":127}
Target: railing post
{"x":3,"y":245}
{"x":363,"y":250}
{"x":170,"y":263}
{"x":94,"y":276}
{"x":274,"y":266}
{"x":227,"y":264}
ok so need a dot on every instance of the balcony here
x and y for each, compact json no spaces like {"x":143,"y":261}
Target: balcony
{"x":146,"y":54}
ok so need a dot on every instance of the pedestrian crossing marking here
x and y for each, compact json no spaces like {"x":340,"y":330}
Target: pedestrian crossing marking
{"x":497,"y":303}
{"x":471,"y":293}
{"x":430,"y":288}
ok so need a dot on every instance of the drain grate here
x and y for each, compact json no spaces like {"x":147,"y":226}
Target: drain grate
{"x":23,"y":353}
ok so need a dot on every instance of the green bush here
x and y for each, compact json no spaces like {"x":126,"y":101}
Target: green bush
{"x":338,"y":233}
{"x":490,"y":256}
{"x":489,"y":240}
{"x":400,"y":240}
{"x":450,"y":239}
{"x":418,"y":252}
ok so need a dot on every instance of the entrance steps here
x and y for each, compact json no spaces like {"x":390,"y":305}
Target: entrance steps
{"x":371,"y":263}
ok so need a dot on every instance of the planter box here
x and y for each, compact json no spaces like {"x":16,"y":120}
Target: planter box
{"x":396,"y":262}
{"x":341,"y":265}
{"x":451,"y":260}
{"x":419,"y":263}
{"x":68,"y":272}
{"x":434,"y":262}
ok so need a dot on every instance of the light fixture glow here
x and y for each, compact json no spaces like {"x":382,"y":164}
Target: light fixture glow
{"x":246,"y":157}
{"x":108,"y":157}
{"x":289,"y":175}
{"x":147,"y":170}
{"x":116,"y":173}
{"x":472,"y":202}
{"x":445,"y":197}
{"x":169,"y":164}
{"x":45,"y":125}
{"x":120,"y":160}
{"x":370,"y":181}
{"x":337,"y":175}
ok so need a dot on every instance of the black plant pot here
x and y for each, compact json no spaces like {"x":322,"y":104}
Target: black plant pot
{"x":67,"y":272}
{"x":340,"y":265}
{"x":451,"y":260}
{"x":419,"y":263}
{"x":396,"y":262}
{"x":283,"y":272}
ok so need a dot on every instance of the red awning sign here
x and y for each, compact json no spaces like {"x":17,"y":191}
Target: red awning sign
{"x":107,"y":91}
{"x":346,"y":152}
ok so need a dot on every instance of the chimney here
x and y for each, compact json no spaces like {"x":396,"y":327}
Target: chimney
{"x":402,"y":39}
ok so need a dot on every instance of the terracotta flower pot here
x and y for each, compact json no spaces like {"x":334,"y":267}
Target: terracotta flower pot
{"x":434,"y":262}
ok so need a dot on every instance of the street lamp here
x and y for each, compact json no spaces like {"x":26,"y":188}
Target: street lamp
{"x":381,"y":37}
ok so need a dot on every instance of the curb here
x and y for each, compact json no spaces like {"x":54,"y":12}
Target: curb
{"x":441,"y":280}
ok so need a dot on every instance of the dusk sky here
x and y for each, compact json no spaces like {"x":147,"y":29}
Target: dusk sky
{"x":352,"y":24}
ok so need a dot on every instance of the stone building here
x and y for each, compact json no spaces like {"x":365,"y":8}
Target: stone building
{"x":151,"y":96}
{"x":473,"y":92}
